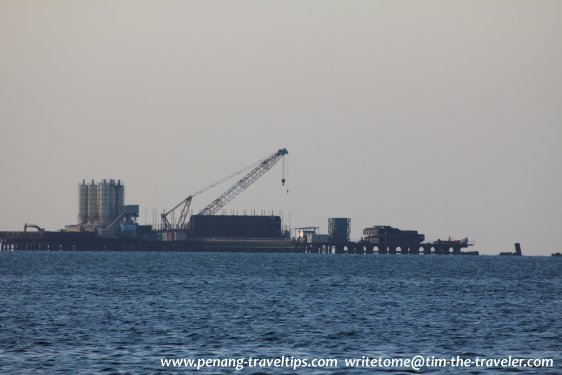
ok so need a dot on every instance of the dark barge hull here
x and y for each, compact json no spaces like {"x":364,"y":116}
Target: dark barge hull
{"x":84,"y":241}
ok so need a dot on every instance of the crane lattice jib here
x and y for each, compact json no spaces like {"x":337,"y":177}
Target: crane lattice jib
{"x":244,"y":182}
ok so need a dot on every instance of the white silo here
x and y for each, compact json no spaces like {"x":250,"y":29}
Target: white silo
{"x":104,"y":203}
{"x":112,"y":206}
{"x":93,"y":214}
{"x":82,"y":203}
{"x":119,"y":197}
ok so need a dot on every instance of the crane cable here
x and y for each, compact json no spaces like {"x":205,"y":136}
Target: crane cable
{"x":285,"y":173}
{"x":215,"y":184}
{"x":229,"y":177}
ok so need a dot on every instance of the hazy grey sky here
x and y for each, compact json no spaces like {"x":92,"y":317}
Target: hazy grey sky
{"x":440,"y":116}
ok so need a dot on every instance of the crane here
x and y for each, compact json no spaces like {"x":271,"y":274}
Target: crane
{"x":263,"y":165}
{"x":181,"y":224}
{"x":252,"y":176}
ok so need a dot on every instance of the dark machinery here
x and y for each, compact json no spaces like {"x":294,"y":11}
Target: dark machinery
{"x":258,"y":170}
{"x":39,"y":229}
{"x":389,"y":236}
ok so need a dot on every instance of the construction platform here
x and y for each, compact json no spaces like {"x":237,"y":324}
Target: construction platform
{"x":87,"y":241}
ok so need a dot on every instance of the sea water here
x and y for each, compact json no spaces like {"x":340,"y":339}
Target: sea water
{"x":127,"y":312}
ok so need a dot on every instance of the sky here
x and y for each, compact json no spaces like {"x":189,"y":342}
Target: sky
{"x":439,"y":116}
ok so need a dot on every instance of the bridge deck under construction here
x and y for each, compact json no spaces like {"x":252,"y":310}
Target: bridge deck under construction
{"x":84,"y":241}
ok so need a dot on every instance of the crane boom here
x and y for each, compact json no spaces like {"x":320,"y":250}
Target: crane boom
{"x":181,"y":222}
{"x":186,"y":203}
{"x":244,"y":182}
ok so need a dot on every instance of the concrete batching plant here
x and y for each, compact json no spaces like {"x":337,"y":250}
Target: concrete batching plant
{"x":99,"y":203}
{"x":102,"y":205}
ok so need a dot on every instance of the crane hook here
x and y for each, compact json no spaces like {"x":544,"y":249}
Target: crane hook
{"x":283,"y":173}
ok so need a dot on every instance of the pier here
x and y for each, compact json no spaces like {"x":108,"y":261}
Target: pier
{"x":436,"y":248}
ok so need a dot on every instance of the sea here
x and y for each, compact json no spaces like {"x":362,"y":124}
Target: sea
{"x":255,"y":313}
